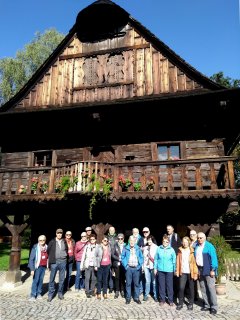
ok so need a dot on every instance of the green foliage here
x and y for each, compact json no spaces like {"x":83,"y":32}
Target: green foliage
{"x":5,"y":253}
{"x":222,"y":248}
{"x":15,"y":72}
{"x":225,"y":81}
{"x":137,"y":186}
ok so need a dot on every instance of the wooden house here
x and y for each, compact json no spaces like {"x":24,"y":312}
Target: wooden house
{"x":114,"y":102}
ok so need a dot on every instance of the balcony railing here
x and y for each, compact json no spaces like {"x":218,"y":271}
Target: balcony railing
{"x":157,"y":176}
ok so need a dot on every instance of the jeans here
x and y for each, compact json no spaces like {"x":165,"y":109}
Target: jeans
{"x":132,"y":275}
{"x":69,"y":268}
{"x":38,"y":281}
{"x":165,"y":280}
{"x":55,"y":267}
{"x":102,"y":279}
{"x":150,"y":278}
{"x":110,"y":281}
{"x":79,"y":280}
{"x":90,"y":279}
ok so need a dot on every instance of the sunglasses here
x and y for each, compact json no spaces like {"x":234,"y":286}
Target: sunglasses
{"x":68,"y":234}
{"x":120,"y":238}
{"x":59,"y":232}
{"x":145,"y":231}
{"x":105,"y":240}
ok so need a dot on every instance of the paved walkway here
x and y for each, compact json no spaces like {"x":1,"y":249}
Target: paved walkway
{"x":14,"y":305}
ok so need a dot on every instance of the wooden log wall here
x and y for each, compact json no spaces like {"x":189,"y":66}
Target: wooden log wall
{"x":122,"y":67}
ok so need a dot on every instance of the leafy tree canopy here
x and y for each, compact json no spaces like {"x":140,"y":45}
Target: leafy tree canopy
{"x":15,"y":72}
{"x":225,"y":81}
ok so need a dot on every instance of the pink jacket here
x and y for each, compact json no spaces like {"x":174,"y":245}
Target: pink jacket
{"x":79,"y":248}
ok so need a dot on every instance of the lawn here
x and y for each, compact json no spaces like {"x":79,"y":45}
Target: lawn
{"x":5,"y":253}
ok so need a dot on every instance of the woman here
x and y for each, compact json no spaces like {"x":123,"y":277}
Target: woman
{"x":78,"y":253}
{"x":103,"y":258}
{"x":164,"y":267}
{"x":38,"y":263}
{"x":149,"y":252}
{"x":187,"y":271}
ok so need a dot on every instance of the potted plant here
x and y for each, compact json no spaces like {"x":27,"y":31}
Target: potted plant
{"x":150,"y":184}
{"x":125,"y":183}
{"x":222,"y":247}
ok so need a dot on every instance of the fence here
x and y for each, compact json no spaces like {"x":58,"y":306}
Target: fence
{"x":233,"y":269}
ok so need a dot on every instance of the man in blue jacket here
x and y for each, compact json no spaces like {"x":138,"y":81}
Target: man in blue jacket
{"x":206,"y":259}
{"x":132,"y":261}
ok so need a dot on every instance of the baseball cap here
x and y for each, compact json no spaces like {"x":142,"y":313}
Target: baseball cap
{"x":88,"y":229}
{"x":59,"y":231}
{"x":146,"y":229}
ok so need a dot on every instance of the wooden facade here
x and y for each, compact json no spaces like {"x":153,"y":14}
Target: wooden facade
{"x":116,"y":100}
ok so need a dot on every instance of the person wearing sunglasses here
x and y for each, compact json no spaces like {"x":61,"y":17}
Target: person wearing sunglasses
{"x":103,"y":256}
{"x":118,"y":267}
{"x":71,"y":247}
{"x":207,"y":262}
{"x":57,"y":255}
{"x":38,"y":262}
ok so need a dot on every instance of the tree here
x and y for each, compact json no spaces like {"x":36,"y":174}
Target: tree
{"x":15,"y":72}
{"x":225,"y":81}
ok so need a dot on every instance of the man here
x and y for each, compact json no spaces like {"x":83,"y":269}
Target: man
{"x":57,"y":256}
{"x":174,"y":239}
{"x":136,"y":236}
{"x":132,"y":260}
{"x":206,"y":259}
{"x":71,"y":246}
{"x":175,"y":242}
{"x":112,"y":237}
{"x":88,"y":232}
{"x":193,"y":238}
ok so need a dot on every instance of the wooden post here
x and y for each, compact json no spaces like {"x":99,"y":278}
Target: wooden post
{"x":13,"y":275}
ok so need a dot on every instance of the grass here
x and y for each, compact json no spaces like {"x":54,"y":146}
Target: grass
{"x":233,"y":254}
{"x":5,"y":253}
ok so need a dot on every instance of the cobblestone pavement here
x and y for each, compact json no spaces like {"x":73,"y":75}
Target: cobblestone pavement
{"x":14,"y":305}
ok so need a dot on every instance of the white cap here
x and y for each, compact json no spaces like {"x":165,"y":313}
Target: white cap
{"x":146,"y":229}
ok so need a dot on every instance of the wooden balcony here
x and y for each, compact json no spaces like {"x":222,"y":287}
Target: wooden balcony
{"x":212,"y":177}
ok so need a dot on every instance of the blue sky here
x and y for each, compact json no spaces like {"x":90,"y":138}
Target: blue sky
{"x":205,"y":33}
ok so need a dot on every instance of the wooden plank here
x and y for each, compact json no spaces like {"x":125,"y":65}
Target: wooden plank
{"x":198,"y":177}
{"x":231,"y":174}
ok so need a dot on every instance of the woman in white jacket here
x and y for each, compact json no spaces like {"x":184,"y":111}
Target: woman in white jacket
{"x":149,"y":252}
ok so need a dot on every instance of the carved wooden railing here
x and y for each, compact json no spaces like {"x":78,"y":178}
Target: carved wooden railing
{"x":161,"y":176}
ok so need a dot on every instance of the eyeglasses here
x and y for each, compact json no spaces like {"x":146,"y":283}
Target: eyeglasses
{"x":83,"y":236}
{"x":200,"y":237}
{"x":120,"y":238}
{"x":41,"y":240}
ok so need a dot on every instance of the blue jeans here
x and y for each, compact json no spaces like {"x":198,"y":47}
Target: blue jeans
{"x":165,"y":281}
{"x":102,"y":279}
{"x":110,"y":281}
{"x":132,"y":275}
{"x":150,"y":279}
{"x":79,"y":280}
{"x":38,"y":281}
{"x":55,"y":267}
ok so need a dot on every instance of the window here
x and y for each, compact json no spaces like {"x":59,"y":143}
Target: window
{"x":42,"y":159}
{"x":168,"y":152}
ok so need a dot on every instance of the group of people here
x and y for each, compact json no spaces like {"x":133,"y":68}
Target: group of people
{"x":137,"y":267}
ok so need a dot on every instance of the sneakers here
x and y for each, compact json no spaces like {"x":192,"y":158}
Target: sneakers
{"x":99,"y":296}
{"x":110,"y":291}
{"x":31,"y":299}
{"x":171,"y":304}
{"x":49,"y":299}
{"x":122,"y":294}
{"x":190,"y":307}
{"x":39,"y":297}
{"x":105,"y":296}
{"x":213,"y":311}
{"x":60,"y":296}
{"x":127,"y":301}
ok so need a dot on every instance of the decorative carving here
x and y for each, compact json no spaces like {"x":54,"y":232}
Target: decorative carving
{"x":200,"y":227}
{"x":100,"y":229}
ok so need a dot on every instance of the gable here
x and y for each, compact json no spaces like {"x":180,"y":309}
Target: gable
{"x":132,"y":64}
